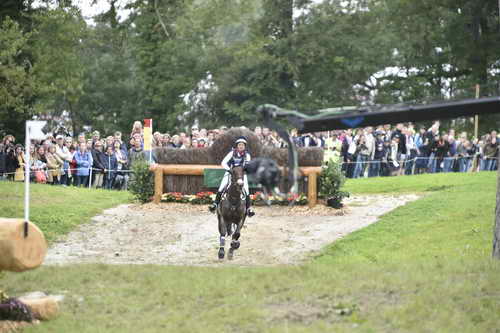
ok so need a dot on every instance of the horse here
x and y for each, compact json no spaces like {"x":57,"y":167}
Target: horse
{"x":232,"y":210}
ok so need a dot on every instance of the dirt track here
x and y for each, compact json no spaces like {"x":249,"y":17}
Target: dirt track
{"x":180,"y":234}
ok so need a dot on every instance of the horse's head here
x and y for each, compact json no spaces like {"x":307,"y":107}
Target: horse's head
{"x":237,"y":176}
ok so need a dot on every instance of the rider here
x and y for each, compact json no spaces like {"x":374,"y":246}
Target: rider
{"x":238,"y":156}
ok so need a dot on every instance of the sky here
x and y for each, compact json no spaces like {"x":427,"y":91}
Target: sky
{"x":101,"y":6}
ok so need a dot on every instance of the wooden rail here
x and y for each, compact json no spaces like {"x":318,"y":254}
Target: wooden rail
{"x":197,"y":170}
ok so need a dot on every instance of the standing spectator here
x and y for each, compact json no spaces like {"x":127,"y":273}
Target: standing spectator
{"x":362,"y":157}
{"x":398,"y":132}
{"x":72,"y":177}
{"x":84,"y":162}
{"x":309,"y":140}
{"x":442,"y":149}
{"x":11,"y":162}
{"x":333,"y":147}
{"x":111,"y":168}
{"x":411,"y":149}
{"x":136,"y":129}
{"x":109,"y":142}
{"x":186,"y":144}
{"x":370,"y":143}
{"x":98,"y":164}
{"x":96,"y":136}
{"x":63,"y":152}
{"x":19,"y":176}
{"x":380,"y":152}
{"x":118,"y":137}
{"x":2,"y":161}
{"x":165,"y":140}
{"x":81,"y":138}
{"x":210,"y":138}
{"x":490,"y":149}
{"x":175,"y":143}
{"x":464,"y":155}
{"x":157,"y":140}
{"x":194,"y":143}
{"x":449,"y":160}
{"x":39,"y":165}
{"x":201,"y":143}
{"x":122,"y":175}
{"x":54,"y":165}
{"x":136,"y":154}
{"x":393,"y":160}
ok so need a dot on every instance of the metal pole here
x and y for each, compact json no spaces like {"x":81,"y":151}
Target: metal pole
{"x":27,"y":162}
{"x":27,"y":157}
{"x":476,"y":117}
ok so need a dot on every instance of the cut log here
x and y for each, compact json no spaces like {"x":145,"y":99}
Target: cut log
{"x":45,"y":308}
{"x":17,"y":253}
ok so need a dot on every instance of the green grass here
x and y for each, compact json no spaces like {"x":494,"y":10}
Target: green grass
{"x":57,"y":210}
{"x":424,"y":267}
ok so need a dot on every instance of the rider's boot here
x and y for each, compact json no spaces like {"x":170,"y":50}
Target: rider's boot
{"x":216,"y":202}
{"x":250,"y":211}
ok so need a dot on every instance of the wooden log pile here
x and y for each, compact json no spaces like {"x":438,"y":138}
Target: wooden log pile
{"x":214,"y":155}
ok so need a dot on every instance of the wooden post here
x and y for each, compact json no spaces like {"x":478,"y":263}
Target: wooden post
{"x":312,"y":191}
{"x":158,"y":185}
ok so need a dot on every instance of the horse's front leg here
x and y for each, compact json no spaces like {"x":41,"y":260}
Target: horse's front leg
{"x":222,"y":236}
{"x":235,"y":243}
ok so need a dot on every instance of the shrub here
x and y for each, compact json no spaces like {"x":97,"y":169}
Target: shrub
{"x":331,"y":181}
{"x":141,"y":181}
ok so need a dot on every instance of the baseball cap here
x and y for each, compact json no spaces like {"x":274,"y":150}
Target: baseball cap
{"x":59,"y":137}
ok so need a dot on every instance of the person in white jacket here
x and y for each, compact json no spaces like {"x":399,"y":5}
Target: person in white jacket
{"x":238,"y":156}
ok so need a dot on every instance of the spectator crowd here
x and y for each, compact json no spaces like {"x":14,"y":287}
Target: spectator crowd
{"x":105,"y":162}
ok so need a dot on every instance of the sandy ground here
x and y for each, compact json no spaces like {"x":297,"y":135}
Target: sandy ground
{"x":181,"y":234}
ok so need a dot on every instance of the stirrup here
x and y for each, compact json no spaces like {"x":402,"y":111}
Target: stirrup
{"x":250,"y":212}
{"x":212,"y":207}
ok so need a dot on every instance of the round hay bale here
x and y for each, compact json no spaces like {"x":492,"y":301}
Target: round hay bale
{"x":184,"y":156}
{"x":225,"y":142}
{"x":19,"y":254}
{"x":312,"y":156}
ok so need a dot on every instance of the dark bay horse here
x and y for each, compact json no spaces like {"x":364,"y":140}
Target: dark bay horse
{"x":232,"y":211}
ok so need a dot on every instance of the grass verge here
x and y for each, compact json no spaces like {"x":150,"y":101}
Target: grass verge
{"x":423,"y":267}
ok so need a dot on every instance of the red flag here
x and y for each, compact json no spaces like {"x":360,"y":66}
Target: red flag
{"x":147,"y":122}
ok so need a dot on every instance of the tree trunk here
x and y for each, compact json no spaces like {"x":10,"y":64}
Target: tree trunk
{"x":496,"y":231}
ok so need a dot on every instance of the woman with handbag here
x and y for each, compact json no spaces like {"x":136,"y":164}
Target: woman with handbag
{"x":54,"y":164}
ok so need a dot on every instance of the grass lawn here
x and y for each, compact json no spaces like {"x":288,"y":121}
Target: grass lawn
{"x":425,"y":266}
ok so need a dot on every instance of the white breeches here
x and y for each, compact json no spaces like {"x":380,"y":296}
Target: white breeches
{"x":227,"y":179}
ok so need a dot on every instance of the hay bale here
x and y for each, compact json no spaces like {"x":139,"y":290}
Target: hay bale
{"x":225,"y":142}
{"x":312,"y":156}
{"x":184,"y":156}
{"x":45,"y":308}
{"x":19,"y":254}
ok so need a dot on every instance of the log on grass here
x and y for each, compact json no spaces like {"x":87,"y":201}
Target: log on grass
{"x":44,"y":308}
{"x":17,"y":253}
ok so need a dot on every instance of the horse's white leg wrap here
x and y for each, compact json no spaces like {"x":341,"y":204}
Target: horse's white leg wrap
{"x":245,"y":185}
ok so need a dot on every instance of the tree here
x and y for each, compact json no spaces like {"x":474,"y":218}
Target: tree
{"x":57,"y":49}
{"x":17,"y":86}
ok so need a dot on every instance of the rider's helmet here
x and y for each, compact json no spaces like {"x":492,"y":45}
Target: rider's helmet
{"x":241,"y":139}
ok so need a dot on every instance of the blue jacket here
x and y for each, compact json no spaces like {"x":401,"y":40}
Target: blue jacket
{"x":83,"y":162}
{"x":111,"y":164}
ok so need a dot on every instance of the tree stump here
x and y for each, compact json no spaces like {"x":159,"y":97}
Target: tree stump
{"x":18,"y":253}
